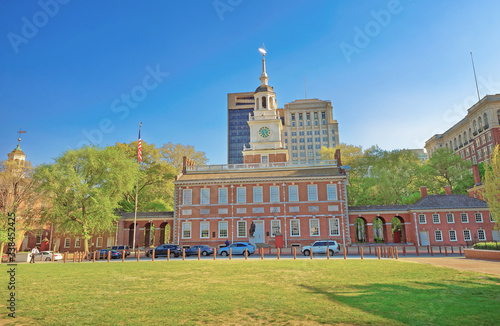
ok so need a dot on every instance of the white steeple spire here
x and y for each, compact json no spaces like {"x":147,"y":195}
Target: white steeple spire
{"x":263,"y":77}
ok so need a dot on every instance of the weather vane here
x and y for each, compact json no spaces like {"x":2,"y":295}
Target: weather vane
{"x":21,"y":131}
{"x":263,"y":49}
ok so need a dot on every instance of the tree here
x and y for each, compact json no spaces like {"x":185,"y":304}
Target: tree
{"x":349,"y":153}
{"x":156,"y":189}
{"x":445,"y":167}
{"x":492,"y":185}
{"x":173,"y":153}
{"x":85,"y":186}
{"x":17,"y":195}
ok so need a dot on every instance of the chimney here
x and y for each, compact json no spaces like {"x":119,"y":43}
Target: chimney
{"x":447,"y":190}
{"x":423,"y":191}
{"x":477,"y":178}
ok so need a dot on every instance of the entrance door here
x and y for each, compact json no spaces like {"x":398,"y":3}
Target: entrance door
{"x":24,"y":246}
{"x":58,"y":244}
{"x":424,"y":238}
{"x":495,"y":235}
{"x":397,"y":236}
{"x":259,"y":232}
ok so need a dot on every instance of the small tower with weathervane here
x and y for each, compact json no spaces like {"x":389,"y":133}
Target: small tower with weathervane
{"x":265,"y":125}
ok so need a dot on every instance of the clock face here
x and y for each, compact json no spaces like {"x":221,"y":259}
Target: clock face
{"x":264,"y":132}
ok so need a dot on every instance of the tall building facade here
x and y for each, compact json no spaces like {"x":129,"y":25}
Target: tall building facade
{"x":475,"y":136}
{"x":240,"y":108}
{"x":309,"y":125}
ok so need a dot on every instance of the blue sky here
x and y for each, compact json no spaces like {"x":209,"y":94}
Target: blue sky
{"x":397,"y":72}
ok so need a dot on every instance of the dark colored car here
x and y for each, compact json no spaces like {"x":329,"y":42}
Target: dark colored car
{"x":121,"y":248}
{"x":162,"y":250}
{"x":204,"y":250}
{"x":103,"y":254}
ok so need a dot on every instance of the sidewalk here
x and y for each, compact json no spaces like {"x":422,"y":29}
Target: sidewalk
{"x":473,"y":265}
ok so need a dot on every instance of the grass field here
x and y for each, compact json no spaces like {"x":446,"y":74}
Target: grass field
{"x":238,"y":292}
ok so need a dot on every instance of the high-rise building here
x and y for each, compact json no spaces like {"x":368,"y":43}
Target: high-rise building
{"x":239,"y":108}
{"x":309,"y":125}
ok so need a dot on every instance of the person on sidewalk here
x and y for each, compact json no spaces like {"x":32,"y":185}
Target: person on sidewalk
{"x":34,"y":252}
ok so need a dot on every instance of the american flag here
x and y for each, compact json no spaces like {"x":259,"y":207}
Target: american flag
{"x":139,"y":146}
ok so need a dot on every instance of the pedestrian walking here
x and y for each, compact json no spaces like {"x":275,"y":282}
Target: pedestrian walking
{"x":34,"y":252}
{"x":227,"y":243}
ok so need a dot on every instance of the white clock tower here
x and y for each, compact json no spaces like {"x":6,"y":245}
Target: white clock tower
{"x":266,"y":145}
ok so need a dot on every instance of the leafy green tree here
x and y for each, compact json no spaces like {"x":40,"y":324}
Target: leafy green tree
{"x":492,"y":185}
{"x":17,"y":195}
{"x":173,"y":154}
{"x":445,"y":167}
{"x":84,"y":187}
{"x":156,"y":188}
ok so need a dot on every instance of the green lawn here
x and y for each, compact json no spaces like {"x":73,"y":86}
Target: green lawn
{"x":238,"y":292}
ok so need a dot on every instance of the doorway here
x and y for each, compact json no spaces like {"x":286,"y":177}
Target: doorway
{"x":259,"y":232}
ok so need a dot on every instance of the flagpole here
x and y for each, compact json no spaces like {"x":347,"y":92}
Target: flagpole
{"x":139,"y":158}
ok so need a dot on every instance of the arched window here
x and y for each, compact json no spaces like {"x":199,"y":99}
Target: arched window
{"x":474,"y":126}
{"x":264,"y":106}
{"x":460,"y":140}
{"x":456,"y":143}
{"x":485,"y":117}
{"x":451,"y":145}
{"x":465,"y":137}
{"x":498,"y":116}
{"x":470,"y":134}
{"x":480,"y":123}
{"x":446,"y":145}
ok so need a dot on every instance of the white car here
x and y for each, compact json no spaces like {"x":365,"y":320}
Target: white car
{"x":47,"y":255}
{"x":320,"y":247}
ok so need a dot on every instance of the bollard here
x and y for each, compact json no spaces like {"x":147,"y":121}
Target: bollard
{"x":428,"y":250}
{"x":327,"y":252}
{"x":460,"y":251}
{"x":370,"y":250}
{"x":74,"y":258}
{"x":93,"y":256}
{"x":278,"y":252}
{"x":416,"y":250}
{"x":392,"y":252}
{"x":361,"y":252}
{"x":294,"y":253}
{"x":41,"y":256}
{"x":183,"y":253}
{"x":311,"y":253}
{"x":261,"y":253}
{"x":432,"y":253}
{"x":53,"y":255}
{"x":199,"y":250}
{"x":109,"y":256}
{"x":168,"y":255}
{"x":440,"y":249}
{"x":230,"y":253}
{"x":396,"y":252}
{"x":123,"y":256}
{"x":404,"y":251}
{"x":65,"y":256}
{"x":215,"y":253}
{"x":345,"y":253}
{"x":246,"y":253}
{"x":153,"y":255}
{"x":378,"y":252}
{"x":138,"y":254}
{"x":445,"y":251}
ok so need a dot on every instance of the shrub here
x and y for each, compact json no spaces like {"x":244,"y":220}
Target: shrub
{"x":487,"y":246}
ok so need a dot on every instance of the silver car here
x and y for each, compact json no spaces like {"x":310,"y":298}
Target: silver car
{"x":321,"y":247}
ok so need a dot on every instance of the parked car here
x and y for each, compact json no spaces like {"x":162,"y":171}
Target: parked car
{"x":237,"y":248}
{"x":321,"y":247}
{"x":47,"y":255}
{"x":204,"y":250}
{"x":162,"y":250}
{"x":103,"y":254}
{"x":121,"y":248}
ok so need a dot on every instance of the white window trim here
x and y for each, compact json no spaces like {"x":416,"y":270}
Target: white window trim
{"x":452,"y":216}
{"x":185,"y":197}
{"x":470,"y":235}
{"x":439,"y":219}
{"x":279,"y":226}
{"x":184,"y":228}
{"x":419,"y":219}
{"x":484,"y":232}
{"x":310,"y":227}
{"x":337,"y":221}
{"x":291,"y":228}
{"x":243,"y":195}
{"x":227,"y":229}
{"x":97,"y":242}
{"x":67,"y":242}
{"x":201,"y":230}
{"x":475,"y":217}
{"x":312,"y":191}
{"x":222,"y":190}
{"x":296,"y":199}
{"x":329,"y":193}
{"x":79,"y":242}
{"x":238,"y":229}
{"x":466,"y":216}
{"x":435,"y":237}
{"x":277,"y":189}
{"x":202,"y":201}
{"x":261,"y":194}
{"x":449,"y":234}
